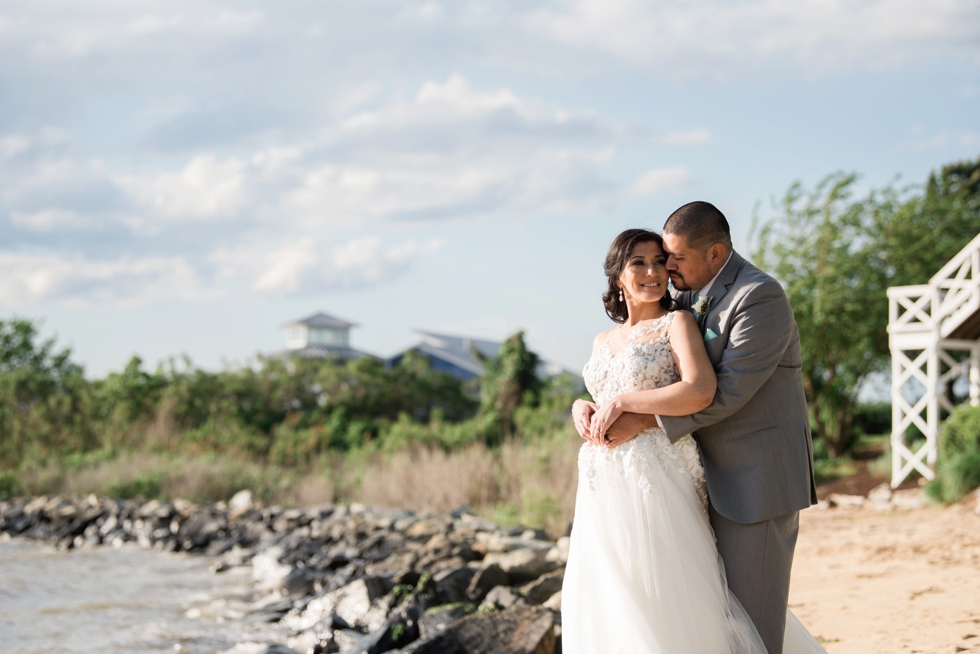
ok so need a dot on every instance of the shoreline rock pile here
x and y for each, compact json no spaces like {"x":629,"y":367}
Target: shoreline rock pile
{"x":880,"y":498}
{"x":344,"y":579}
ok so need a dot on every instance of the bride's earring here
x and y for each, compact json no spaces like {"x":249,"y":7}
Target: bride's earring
{"x":621,"y":295}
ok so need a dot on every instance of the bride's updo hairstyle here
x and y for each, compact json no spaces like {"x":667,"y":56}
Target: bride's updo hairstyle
{"x":619,"y":253}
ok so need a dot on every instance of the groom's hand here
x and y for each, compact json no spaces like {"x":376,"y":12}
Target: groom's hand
{"x":627,"y":426}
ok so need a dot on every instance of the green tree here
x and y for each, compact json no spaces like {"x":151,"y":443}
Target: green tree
{"x":836,"y":255}
{"x":931,"y":227}
{"x":508,"y":381}
{"x":44,"y":399}
{"x":823,"y":247}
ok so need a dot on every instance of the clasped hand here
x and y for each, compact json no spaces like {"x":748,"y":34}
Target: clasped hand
{"x":594,"y":423}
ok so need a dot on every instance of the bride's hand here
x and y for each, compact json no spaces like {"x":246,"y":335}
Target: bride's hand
{"x":582,"y":412}
{"x":604,"y":418}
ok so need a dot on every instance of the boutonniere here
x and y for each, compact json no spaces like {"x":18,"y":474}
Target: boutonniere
{"x":700,"y":309}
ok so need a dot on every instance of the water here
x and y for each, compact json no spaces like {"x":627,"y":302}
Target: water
{"x":126,"y":599}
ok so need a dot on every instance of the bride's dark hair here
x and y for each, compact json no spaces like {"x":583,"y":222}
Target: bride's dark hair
{"x":619,"y":253}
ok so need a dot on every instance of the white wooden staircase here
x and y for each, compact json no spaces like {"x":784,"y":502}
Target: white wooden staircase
{"x":933,"y":332}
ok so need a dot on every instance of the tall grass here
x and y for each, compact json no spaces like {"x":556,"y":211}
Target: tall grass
{"x":531,"y":483}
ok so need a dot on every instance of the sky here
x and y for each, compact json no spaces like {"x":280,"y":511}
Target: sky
{"x":186,"y":176}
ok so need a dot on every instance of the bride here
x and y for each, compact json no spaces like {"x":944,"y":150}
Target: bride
{"x":643,"y":573}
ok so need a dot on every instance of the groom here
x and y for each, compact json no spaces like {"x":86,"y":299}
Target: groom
{"x":755,"y":436}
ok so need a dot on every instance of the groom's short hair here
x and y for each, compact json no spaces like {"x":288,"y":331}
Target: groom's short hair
{"x":701,"y":224}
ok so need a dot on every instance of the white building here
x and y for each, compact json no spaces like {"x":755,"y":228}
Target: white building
{"x":320,"y":337}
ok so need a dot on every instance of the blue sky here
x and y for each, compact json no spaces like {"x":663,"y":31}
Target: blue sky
{"x":185,"y":176}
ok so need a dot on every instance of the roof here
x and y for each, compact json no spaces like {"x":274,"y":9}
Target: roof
{"x":322,"y":320}
{"x":457,"y":350}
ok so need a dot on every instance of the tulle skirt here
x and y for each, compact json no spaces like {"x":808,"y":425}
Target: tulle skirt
{"x":643,"y":573}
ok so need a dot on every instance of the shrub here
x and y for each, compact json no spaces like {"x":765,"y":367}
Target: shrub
{"x":960,"y":433}
{"x":956,"y":477}
{"x":10,"y":484}
{"x":958,"y":471}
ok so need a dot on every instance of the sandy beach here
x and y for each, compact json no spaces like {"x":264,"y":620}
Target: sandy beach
{"x":874,"y":582}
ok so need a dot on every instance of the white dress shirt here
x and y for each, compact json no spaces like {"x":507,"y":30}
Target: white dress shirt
{"x":704,"y":291}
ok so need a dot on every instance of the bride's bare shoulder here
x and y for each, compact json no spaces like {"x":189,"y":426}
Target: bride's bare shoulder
{"x":602,"y":338}
{"x":682,"y":319}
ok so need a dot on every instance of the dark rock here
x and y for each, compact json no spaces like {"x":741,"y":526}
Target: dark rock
{"x":409,"y":615}
{"x":466,"y":553}
{"x":518,"y":630}
{"x":502,"y":597}
{"x":434,"y":621}
{"x":452,"y":584}
{"x":522,"y":565}
{"x":486,"y":578}
{"x":276,"y":648}
{"x":385,"y":639}
{"x":299,"y":582}
{"x":542,"y":588}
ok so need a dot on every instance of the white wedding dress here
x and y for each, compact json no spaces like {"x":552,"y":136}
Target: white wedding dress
{"x":643,"y":574}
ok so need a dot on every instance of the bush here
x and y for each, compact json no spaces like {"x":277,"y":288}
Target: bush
{"x":956,"y":477}
{"x":10,"y":484}
{"x":960,"y":433}
{"x":958,"y":471}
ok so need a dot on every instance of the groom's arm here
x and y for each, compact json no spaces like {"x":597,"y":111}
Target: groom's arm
{"x":628,"y":425}
{"x":757,"y":341}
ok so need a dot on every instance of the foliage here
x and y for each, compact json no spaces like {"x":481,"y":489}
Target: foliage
{"x":824,"y":248}
{"x":958,"y":468}
{"x":960,"y":432}
{"x":43,"y":395}
{"x":290,"y":413}
{"x":873,"y":419}
{"x":508,"y":381}
{"x":929,"y":229}
{"x":836,"y":254}
{"x":955,"y":477}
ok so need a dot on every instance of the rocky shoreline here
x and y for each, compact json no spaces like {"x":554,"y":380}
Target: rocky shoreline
{"x":344,"y":579}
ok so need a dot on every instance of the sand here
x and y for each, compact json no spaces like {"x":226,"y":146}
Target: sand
{"x":876,"y":582}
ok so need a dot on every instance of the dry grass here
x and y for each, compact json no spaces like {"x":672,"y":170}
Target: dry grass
{"x":532,"y":484}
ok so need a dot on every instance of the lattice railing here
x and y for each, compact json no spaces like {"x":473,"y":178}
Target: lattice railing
{"x":920,"y":320}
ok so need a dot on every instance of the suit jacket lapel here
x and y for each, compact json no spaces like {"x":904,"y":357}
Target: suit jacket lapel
{"x":725,"y":279}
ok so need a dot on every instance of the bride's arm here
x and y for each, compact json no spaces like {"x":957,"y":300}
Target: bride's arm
{"x":694,"y":392}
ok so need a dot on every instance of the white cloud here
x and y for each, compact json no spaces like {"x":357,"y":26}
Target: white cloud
{"x":717,"y":36}
{"x":26,"y":279}
{"x":75,"y":31}
{"x":660,"y":179}
{"x":686,"y":138}
{"x":204,"y":188}
{"x":45,"y":220}
{"x":280,"y":218}
{"x":453,"y":100}
{"x":307,"y":265}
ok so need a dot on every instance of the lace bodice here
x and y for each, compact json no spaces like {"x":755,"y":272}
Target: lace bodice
{"x":644,"y":362}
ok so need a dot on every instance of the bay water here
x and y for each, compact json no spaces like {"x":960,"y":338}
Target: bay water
{"x":110,"y":600}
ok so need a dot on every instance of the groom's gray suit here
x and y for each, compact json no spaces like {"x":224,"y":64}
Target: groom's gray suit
{"x":754,"y":438}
